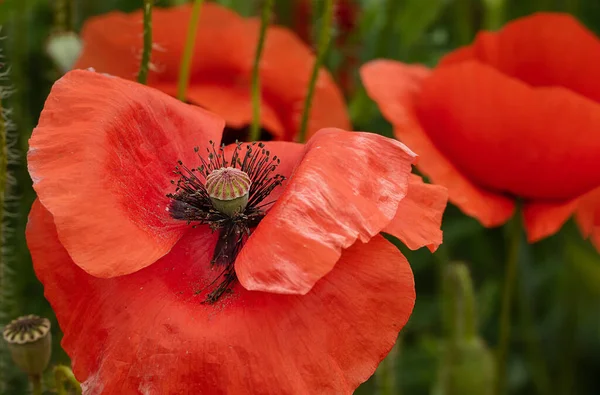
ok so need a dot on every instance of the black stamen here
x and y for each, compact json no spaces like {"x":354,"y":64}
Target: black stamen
{"x":191,"y":203}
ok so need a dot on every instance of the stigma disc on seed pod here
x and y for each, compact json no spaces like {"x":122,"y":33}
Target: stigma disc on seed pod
{"x":228,"y":188}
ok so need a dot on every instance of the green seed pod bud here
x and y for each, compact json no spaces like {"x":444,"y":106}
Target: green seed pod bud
{"x":228,"y":189}
{"x":466,"y":367}
{"x":30,"y":343}
{"x":466,"y":363}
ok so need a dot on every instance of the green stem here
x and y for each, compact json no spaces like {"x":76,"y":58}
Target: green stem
{"x":510,"y":278}
{"x":572,"y":6}
{"x":535,"y":357}
{"x":61,"y":11}
{"x":385,"y":375}
{"x":463,"y":21}
{"x":64,"y":374}
{"x":186,"y":58}
{"x":143,"y":74}
{"x":264,"y":22}
{"x":324,"y":38}
{"x":36,"y":384}
{"x":566,"y":377}
{"x":3,"y":192}
{"x":494,"y":14}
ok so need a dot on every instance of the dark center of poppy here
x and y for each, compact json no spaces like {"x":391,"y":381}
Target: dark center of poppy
{"x":232,"y":135}
{"x":228,"y":196}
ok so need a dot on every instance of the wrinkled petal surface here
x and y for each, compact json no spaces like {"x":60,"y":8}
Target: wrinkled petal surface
{"x":537,"y":143}
{"x":418,"y":220}
{"x":101,"y":160}
{"x":148,"y":332}
{"x":222,"y":66}
{"x":347,"y":187}
{"x":396,"y":87}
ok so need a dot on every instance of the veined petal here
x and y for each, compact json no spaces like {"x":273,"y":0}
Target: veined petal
{"x":347,"y":187}
{"x":148,"y":332}
{"x":102,"y":158}
{"x":419,"y":217}
{"x":396,"y":88}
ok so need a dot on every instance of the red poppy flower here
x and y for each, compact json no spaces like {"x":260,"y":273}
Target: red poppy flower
{"x":299,"y":296}
{"x":514,"y":115}
{"x":222,"y":66}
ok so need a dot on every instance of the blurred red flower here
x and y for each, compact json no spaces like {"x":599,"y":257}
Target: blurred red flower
{"x":316,"y":298}
{"x":222,"y":66}
{"x":514,"y":115}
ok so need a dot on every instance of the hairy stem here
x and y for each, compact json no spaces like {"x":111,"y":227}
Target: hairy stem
{"x":143,"y":74}
{"x":324,"y":39}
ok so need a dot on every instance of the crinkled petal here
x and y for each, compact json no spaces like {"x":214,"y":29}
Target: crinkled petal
{"x":396,"y":87}
{"x":102,"y":158}
{"x":509,"y":137}
{"x":348,"y":186}
{"x":544,"y":219}
{"x":148,"y":332}
{"x":419,"y":217}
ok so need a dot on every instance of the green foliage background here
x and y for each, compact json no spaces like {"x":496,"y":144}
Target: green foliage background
{"x":556,"y":335}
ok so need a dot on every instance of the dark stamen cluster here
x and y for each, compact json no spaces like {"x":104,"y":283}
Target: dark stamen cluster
{"x":191,"y":202}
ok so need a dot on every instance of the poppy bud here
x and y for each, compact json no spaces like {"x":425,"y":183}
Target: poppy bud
{"x":467,"y":367}
{"x":466,"y":363}
{"x":30,"y":343}
{"x":228,"y":189}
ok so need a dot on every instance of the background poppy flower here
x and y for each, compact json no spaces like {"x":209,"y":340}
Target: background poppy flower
{"x":514,"y":115}
{"x":321,"y":296}
{"x":221,"y":68}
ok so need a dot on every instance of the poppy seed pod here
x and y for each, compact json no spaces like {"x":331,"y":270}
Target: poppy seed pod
{"x":228,"y":189}
{"x":30,"y":343}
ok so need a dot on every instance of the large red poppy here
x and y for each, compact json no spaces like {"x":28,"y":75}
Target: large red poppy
{"x":222,"y":66}
{"x":514,"y":115}
{"x":320,"y":296}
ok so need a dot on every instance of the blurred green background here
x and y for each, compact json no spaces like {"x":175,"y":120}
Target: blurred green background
{"x":555,"y":346}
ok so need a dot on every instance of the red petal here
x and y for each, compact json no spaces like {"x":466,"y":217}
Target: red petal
{"x":588,"y":216}
{"x":545,"y":50}
{"x":396,"y":87}
{"x":149,"y":333}
{"x":509,"y":137}
{"x":113,"y":42}
{"x":222,"y":66}
{"x":545,"y":219}
{"x":101,"y":160}
{"x":459,"y":55}
{"x":419,"y":216}
{"x":347,"y":187}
